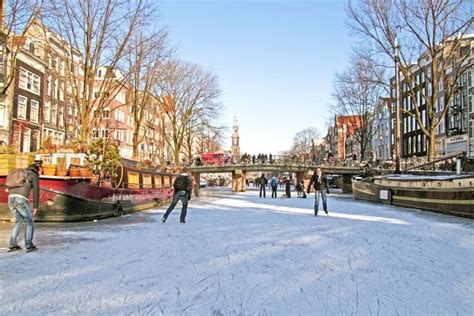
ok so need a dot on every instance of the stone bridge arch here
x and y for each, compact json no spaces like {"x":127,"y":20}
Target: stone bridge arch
{"x":303,"y":172}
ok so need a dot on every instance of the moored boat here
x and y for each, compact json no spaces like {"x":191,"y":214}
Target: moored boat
{"x":449,"y":194}
{"x":65,"y":198}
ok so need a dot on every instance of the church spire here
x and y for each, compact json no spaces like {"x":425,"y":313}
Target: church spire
{"x":235,"y":150}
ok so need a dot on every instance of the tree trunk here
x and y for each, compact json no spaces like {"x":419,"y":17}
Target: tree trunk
{"x":431,"y":146}
{"x":135,"y":146}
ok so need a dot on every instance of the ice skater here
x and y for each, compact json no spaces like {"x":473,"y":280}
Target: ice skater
{"x":274,"y":185}
{"x":19,"y":184}
{"x":263,"y":183}
{"x":183,"y":187}
{"x":321,"y":189}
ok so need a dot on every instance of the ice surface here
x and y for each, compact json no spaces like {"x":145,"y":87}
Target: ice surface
{"x":239,"y":254}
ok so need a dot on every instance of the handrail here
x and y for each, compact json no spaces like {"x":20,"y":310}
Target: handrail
{"x":459,"y":154}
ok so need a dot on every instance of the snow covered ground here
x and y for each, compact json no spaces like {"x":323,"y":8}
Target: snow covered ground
{"x":238,"y":254}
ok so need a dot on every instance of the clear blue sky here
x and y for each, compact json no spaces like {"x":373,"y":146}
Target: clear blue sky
{"x":275,"y":61}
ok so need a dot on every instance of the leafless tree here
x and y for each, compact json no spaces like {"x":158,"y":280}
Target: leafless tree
{"x":304,"y":143}
{"x":357,"y":93}
{"x":17,"y":17}
{"x":431,"y":35}
{"x":206,"y":137}
{"x":144,"y":57}
{"x":189,"y":98}
{"x":101,"y":30}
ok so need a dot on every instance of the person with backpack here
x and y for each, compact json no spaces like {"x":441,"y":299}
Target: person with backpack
{"x":263,"y":183}
{"x":321,"y":189}
{"x":274,"y":185}
{"x":19,"y":184}
{"x":183,"y":187}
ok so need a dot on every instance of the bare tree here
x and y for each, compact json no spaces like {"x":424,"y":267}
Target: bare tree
{"x":188,"y":97}
{"x":144,"y":56}
{"x":101,"y":30}
{"x":304,"y":143}
{"x":201,"y":138}
{"x":430,"y":35}
{"x":17,"y":16}
{"x":357,"y":93}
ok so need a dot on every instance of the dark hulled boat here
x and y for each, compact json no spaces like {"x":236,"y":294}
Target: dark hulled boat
{"x":449,"y":194}
{"x":65,"y":199}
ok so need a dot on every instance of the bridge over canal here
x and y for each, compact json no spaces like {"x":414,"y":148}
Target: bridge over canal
{"x":302,"y":172}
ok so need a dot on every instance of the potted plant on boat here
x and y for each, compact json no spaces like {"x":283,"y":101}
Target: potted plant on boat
{"x":103,"y":158}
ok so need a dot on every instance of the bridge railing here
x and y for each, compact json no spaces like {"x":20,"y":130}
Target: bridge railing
{"x":408,"y":163}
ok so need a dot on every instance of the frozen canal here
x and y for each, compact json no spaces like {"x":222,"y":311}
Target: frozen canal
{"x":238,"y":254}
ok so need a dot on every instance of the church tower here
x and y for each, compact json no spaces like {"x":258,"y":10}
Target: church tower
{"x":235,"y":150}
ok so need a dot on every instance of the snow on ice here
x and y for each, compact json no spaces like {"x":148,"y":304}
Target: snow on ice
{"x":239,"y":254}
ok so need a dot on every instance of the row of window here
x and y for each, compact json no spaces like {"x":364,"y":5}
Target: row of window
{"x":410,"y":123}
{"x":414,"y":144}
{"x":118,"y":134}
{"x":29,"y":81}
{"x":22,"y":109}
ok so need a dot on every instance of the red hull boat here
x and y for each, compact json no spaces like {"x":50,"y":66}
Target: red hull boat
{"x":67,"y":199}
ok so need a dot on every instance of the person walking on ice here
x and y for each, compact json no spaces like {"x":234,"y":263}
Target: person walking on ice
{"x":19,"y":184}
{"x":263,"y":183}
{"x":274,"y":185}
{"x":183,"y":187}
{"x":321,"y":189}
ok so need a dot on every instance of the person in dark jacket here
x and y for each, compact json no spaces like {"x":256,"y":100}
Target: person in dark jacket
{"x":263,"y":183}
{"x":288,"y":188}
{"x":18,"y":201}
{"x":321,"y":188}
{"x":183,"y":188}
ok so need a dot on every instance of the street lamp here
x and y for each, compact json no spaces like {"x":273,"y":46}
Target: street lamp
{"x":398,"y":121}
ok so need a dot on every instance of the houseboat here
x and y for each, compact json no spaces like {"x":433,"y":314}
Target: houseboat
{"x":448,"y":194}
{"x":80,"y":198}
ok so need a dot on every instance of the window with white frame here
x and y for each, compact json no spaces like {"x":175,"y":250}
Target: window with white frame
{"x":120,"y":97}
{"x":61,"y":67}
{"x":105,"y":114}
{"x":26,"y":140}
{"x":56,"y":63}
{"x":118,"y":135}
{"x":61,"y":92}
{"x":48,"y":86}
{"x":464,"y":122}
{"x":47,"y":112}
{"x":29,"y":81}
{"x":56,"y":89}
{"x":3,"y":112}
{"x":104,"y":133}
{"x":22,"y":104}
{"x":34,"y":111}
{"x":54,"y":114}
{"x":95,"y":133}
{"x":61,"y":116}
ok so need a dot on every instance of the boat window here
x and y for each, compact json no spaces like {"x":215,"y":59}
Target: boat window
{"x":158,"y":182}
{"x":167,"y":182}
{"x":147,"y":181}
{"x":133,"y":180}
